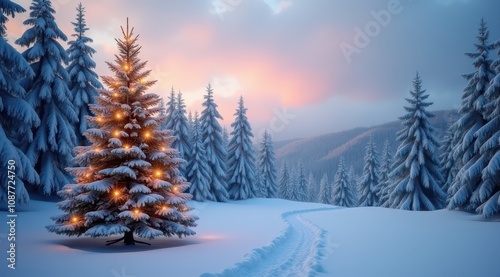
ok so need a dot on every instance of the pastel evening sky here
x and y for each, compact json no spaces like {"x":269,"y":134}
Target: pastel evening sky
{"x":288,"y":57}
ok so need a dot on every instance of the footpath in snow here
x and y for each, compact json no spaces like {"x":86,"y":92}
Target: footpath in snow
{"x":298,"y":251}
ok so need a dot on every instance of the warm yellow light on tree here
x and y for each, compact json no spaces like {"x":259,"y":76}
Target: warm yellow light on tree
{"x":164,"y":148}
{"x":118,"y":115}
{"x":115,"y":94}
{"x":116,"y":133}
{"x":98,"y":150}
{"x":99,"y":119}
{"x":74,"y":219}
{"x":158,"y":173}
{"x":116,"y":193}
{"x":126,"y":147}
{"x":164,"y":208}
{"x":175,"y":189}
{"x":147,"y":134}
{"x":126,"y":67}
{"x":136,"y":211}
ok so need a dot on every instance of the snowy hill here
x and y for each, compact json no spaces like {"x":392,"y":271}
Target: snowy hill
{"x":321,"y":154}
{"x":271,"y":237}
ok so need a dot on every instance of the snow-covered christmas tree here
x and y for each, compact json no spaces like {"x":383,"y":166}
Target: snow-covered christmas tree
{"x":241,"y":157}
{"x":385,"y":169}
{"x":369,"y":184}
{"x":284,"y":181}
{"x":197,"y":169}
{"x":83,"y":81}
{"x":17,"y":117}
{"x":267,"y":166}
{"x":47,"y":92}
{"x":213,"y":142}
{"x":301,"y":184}
{"x":325,"y":191}
{"x":129,"y":181}
{"x":180,"y":127}
{"x":466,"y":190}
{"x":344,"y":192}
{"x":449,"y":167}
{"x":416,"y":173}
{"x":312,"y":188}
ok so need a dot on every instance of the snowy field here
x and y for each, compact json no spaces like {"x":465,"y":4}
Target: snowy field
{"x":270,"y":237}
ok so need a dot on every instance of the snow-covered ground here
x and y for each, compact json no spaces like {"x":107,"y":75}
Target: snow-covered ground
{"x":271,"y":237}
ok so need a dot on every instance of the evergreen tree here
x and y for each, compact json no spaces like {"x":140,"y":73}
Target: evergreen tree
{"x":267,"y":166}
{"x":180,"y":127}
{"x":168,"y":124}
{"x":17,"y":117}
{"x":260,"y":190}
{"x":213,"y":142}
{"x":312,"y":188}
{"x":369,"y":184}
{"x":325,"y":191}
{"x":344,"y":193}
{"x":83,"y":81}
{"x":301,"y":186}
{"x":47,"y":92}
{"x":464,"y":190}
{"x":291,"y":189}
{"x":448,"y":164}
{"x":241,"y":158}
{"x":385,"y":170}
{"x":198,"y":172}
{"x":129,"y":181}
{"x":416,"y":172}
{"x":284,"y":181}
{"x":487,"y":194}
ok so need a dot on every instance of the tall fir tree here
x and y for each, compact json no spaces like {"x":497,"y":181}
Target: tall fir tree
{"x":267,"y":166}
{"x":17,"y":117}
{"x":474,"y":113}
{"x":241,"y":157}
{"x":213,"y":142}
{"x":291,"y":189}
{"x":129,"y":181}
{"x":344,"y":192}
{"x":171,"y":106}
{"x":312,"y":188}
{"x":369,"y":183}
{"x":284,"y":181}
{"x":416,"y":172}
{"x":48,"y":94}
{"x":301,"y":186}
{"x":449,"y":166}
{"x":198,"y":172}
{"x":385,"y":169}
{"x":487,"y":194}
{"x":83,"y":81}
{"x":325,"y":191}
{"x":180,"y":127}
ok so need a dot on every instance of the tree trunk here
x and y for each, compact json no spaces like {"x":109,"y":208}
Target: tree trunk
{"x":129,"y":238}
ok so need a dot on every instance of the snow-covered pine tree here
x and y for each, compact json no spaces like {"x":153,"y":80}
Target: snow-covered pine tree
{"x":284,"y":181}
{"x":369,"y":183}
{"x":487,"y":194}
{"x":241,"y":157}
{"x":267,"y":166}
{"x":260,"y":189}
{"x":83,"y":81}
{"x":312,"y":189}
{"x":168,"y":124}
{"x":325,"y":191}
{"x":385,"y":169}
{"x":416,"y":171}
{"x":213,"y":142}
{"x":448,"y":164}
{"x":180,"y":127}
{"x":47,"y":92}
{"x":17,"y":117}
{"x":473,"y":116}
{"x":291,"y":189}
{"x":197,"y":170}
{"x":301,"y":187}
{"x":344,"y":193}
{"x":129,"y":181}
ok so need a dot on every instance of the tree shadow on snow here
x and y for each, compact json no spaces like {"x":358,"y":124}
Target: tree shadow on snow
{"x":99,"y":244}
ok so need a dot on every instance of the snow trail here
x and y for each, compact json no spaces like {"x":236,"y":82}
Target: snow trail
{"x":297,"y":251}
